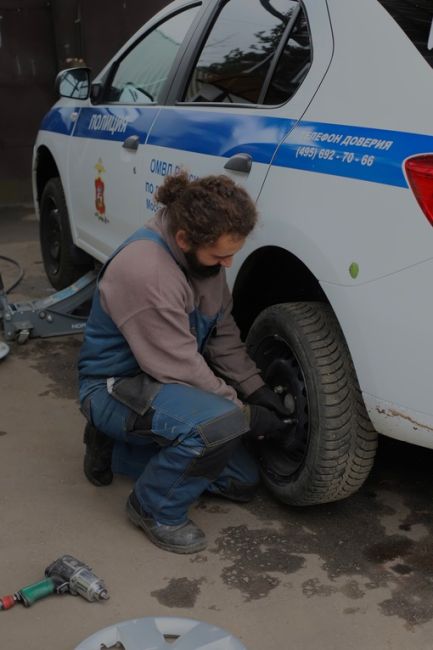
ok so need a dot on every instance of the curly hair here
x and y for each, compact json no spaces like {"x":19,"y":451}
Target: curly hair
{"x":206,"y":208}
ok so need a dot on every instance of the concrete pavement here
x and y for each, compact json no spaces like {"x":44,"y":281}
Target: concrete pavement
{"x":346,"y":576}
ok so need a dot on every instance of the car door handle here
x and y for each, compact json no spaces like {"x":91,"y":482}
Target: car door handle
{"x":241,"y":162}
{"x":131,"y":143}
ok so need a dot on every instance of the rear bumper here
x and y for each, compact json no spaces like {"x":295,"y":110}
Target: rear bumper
{"x":388,"y":327}
{"x":396,"y":422}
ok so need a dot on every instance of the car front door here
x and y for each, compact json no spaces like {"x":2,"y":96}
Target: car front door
{"x":106,"y":188}
{"x":244,"y":82}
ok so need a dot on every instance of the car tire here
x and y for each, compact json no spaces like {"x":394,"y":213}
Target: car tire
{"x":63,"y":261}
{"x":327,"y":453}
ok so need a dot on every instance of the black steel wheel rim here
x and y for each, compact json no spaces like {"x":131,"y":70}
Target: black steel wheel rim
{"x":283,"y":456}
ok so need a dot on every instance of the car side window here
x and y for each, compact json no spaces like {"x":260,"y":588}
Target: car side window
{"x":257,"y":52}
{"x":141,"y":75}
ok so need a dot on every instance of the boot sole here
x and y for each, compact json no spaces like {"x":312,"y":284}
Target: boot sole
{"x":183,"y":550}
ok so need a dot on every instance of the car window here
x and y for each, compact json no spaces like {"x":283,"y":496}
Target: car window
{"x":242,"y":49}
{"x":142,"y":73}
{"x":415,"y":17}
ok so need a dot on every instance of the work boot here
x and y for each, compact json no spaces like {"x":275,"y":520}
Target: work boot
{"x":183,"y":538}
{"x":97,"y":458}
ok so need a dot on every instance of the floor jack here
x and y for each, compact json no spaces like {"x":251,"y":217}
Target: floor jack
{"x":52,"y":316}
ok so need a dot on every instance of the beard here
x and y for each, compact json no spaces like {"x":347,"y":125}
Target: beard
{"x":201,"y":270}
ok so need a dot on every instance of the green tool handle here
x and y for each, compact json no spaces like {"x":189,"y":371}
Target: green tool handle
{"x":30,"y":594}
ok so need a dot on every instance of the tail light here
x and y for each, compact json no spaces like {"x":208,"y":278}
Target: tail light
{"x":419,"y":171}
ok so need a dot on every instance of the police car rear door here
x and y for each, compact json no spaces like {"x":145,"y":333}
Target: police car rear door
{"x":107,"y":192}
{"x":245,"y":80}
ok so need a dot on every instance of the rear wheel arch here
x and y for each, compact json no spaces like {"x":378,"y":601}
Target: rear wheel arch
{"x":269,"y":276}
{"x":296,"y":340}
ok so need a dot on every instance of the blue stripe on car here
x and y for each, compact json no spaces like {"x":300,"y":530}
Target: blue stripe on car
{"x":366,"y":154}
{"x":102,"y":123}
{"x":59,"y":120}
{"x":220,"y":134}
{"x":115,"y":123}
{"x":361,"y":153}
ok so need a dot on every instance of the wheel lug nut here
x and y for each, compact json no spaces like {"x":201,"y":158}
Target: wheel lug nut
{"x":289,"y":402}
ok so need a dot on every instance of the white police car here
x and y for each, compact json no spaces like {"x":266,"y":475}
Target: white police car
{"x":322,"y":109}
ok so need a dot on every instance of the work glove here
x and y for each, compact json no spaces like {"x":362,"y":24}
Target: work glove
{"x":265,"y":396}
{"x":263,"y":422}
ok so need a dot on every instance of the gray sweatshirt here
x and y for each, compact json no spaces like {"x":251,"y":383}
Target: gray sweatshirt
{"x":149,"y":297}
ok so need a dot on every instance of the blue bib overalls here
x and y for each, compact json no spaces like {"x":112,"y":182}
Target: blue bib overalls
{"x":176,"y":441}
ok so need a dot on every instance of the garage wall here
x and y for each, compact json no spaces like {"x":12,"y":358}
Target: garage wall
{"x":27,"y":69}
{"x":37,"y":39}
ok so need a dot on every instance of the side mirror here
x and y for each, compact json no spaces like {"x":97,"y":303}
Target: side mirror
{"x":74,"y":83}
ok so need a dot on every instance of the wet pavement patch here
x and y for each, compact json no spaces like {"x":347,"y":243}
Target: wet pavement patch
{"x":313,"y":587}
{"x":57,"y":359}
{"x":352,"y":590}
{"x":402,"y":569}
{"x":390,"y":549}
{"x":381,"y":537}
{"x":255,"y":556}
{"x":180,"y":592}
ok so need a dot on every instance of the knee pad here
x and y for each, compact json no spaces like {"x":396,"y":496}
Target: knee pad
{"x":223,"y":428}
{"x":212,"y":460}
{"x":221,"y":435}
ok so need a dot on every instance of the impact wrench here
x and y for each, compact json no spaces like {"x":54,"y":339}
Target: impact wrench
{"x":64,"y":575}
